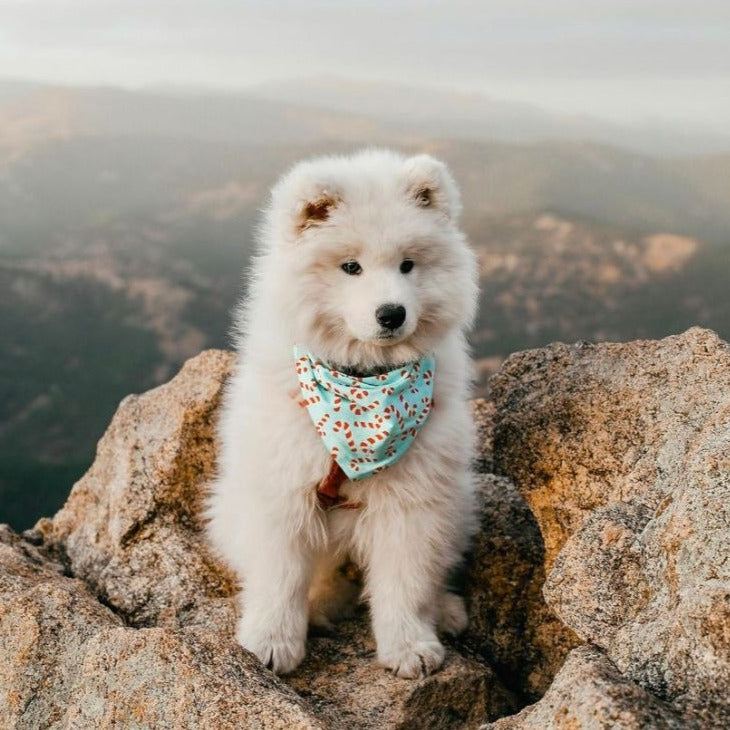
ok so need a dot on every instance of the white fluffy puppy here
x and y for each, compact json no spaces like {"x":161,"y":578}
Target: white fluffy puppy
{"x":345,"y":240}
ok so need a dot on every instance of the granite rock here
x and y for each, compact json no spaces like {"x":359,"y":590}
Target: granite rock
{"x":589,"y":693}
{"x":598,"y":585}
{"x":163,"y":652}
{"x":71,"y":662}
{"x":622,"y":452}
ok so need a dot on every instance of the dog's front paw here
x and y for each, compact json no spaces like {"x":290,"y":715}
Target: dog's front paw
{"x":281,"y":654}
{"x":414,"y":660}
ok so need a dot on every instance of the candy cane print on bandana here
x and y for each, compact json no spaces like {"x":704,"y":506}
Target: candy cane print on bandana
{"x":366,"y":423}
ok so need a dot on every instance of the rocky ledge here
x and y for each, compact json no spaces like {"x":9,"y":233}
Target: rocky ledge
{"x":598,"y":586}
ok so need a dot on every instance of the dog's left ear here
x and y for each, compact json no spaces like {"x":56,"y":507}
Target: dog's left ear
{"x":430,"y":185}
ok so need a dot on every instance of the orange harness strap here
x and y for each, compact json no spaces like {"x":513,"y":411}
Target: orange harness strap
{"x":328,"y":490}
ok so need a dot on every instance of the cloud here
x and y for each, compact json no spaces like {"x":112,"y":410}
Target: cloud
{"x":527,"y":43}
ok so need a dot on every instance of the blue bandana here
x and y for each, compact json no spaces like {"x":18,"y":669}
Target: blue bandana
{"x":366,"y":423}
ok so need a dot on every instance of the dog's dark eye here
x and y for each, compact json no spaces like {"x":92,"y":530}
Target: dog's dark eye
{"x":352,"y":268}
{"x":406,"y":266}
{"x":424,"y":197}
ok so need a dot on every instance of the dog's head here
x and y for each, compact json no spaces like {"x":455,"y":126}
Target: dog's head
{"x":367,"y":258}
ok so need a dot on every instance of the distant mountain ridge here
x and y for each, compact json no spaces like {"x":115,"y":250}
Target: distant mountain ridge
{"x":473,"y":116}
{"x":590,"y":179}
{"x":303,"y":109}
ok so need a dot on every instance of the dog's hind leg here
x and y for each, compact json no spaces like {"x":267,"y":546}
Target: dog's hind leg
{"x":334,"y":592}
{"x":453,"y":618}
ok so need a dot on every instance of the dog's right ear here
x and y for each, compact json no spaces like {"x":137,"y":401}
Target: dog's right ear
{"x":303,"y":199}
{"x":314,"y":211}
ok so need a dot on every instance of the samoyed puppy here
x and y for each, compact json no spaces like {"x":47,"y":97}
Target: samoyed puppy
{"x":363,"y":281}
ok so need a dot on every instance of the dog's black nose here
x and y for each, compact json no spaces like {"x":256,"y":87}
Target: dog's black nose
{"x":391,"y":316}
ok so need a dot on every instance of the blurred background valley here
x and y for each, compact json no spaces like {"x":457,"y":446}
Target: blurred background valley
{"x":127,"y":217}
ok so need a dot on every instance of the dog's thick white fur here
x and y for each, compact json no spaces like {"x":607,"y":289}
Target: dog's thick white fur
{"x":377,"y":208}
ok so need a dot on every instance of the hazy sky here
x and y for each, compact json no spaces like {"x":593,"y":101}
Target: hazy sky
{"x":617,"y":59}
